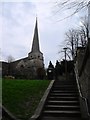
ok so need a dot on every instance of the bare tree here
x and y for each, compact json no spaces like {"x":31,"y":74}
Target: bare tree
{"x":84,"y":27}
{"x":71,"y":42}
{"x":77,"y":37}
{"x":82,"y":37}
{"x":71,"y":37}
{"x":77,"y":5}
{"x":10,"y":59}
{"x":74,"y":5}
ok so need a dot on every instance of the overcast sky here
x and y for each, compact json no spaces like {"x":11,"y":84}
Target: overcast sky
{"x":18,"y":21}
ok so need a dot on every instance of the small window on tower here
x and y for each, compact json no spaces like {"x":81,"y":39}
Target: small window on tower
{"x":38,"y":56}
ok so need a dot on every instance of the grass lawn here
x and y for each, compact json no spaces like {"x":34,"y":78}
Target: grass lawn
{"x":21,"y":97}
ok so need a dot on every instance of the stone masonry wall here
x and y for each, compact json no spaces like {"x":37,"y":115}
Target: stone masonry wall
{"x":82,"y":65}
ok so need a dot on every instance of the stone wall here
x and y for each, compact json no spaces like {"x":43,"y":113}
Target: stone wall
{"x":23,"y":68}
{"x":89,"y":17}
{"x":82,"y":65}
{"x":5,"y":69}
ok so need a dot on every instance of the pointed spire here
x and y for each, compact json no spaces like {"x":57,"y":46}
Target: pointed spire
{"x":35,"y":44}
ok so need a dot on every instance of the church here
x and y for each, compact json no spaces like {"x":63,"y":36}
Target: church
{"x":31,"y":67}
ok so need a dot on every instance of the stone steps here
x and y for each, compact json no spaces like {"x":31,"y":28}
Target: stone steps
{"x":62,"y":107}
{"x":53,"y":102}
{"x":63,"y":98}
{"x":64,"y":88}
{"x":64,"y":94}
{"x":62,"y":91}
{"x":62,"y":102}
{"x":61,"y":113}
{"x":60,"y":118}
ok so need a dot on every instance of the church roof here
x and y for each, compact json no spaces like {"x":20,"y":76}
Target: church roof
{"x":35,"y":44}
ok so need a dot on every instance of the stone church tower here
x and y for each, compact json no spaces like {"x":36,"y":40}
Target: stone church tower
{"x":35,"y":62}
{"x":36,"y":56}
{"x":31,"y":67}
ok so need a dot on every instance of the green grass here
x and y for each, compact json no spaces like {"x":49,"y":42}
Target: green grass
{"x":21,"y":97}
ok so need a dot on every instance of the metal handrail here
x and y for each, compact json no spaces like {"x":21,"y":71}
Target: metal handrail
{"x":80,"y":92}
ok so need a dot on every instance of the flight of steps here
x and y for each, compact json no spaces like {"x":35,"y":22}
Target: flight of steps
{"x":63,"y":102}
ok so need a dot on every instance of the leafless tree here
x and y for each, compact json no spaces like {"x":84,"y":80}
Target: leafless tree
{"x":71,"y":42}
{"x":10,"y":59}
{"x":71,"y":38}
{"x":77,"y":37}
{"x":84,"y":27}
{"x":74,"y":5}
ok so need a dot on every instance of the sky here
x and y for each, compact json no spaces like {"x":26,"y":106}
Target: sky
{"x":17,"y":21}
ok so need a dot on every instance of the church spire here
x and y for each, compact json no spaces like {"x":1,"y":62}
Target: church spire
{"x":35,"y":44}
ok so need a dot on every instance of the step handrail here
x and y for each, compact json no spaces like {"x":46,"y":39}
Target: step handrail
{"x":80,"y":93}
